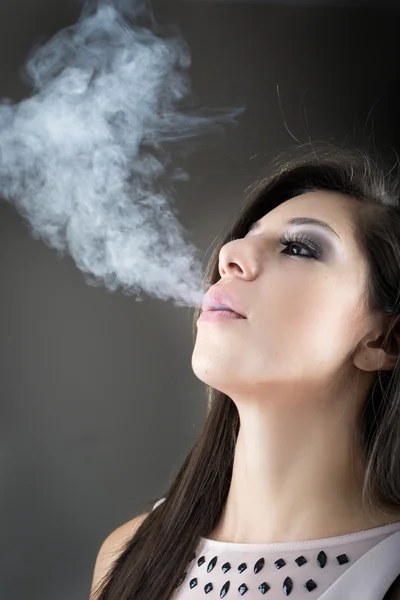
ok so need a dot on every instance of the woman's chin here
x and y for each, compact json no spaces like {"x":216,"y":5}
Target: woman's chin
{"x":213,"y":374}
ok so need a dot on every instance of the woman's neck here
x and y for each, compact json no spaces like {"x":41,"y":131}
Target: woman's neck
{"x":295,"y":485}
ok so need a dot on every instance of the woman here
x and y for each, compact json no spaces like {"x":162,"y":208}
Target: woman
{"x":294,"y":480}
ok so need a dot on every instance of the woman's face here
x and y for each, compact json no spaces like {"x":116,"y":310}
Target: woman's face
{"x":305,"y":316}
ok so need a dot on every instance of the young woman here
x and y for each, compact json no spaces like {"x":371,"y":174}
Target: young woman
{"x":293,"y":485}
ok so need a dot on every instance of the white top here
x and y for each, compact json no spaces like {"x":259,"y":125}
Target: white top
{"x":300,"y":570}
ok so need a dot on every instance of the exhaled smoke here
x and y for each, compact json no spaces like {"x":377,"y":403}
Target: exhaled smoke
{"x":83,"y":158}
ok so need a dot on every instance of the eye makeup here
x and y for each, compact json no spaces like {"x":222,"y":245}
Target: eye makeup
{"x":302,"y":242}
{"x":301,"y":221}
{"x":318,"y":240}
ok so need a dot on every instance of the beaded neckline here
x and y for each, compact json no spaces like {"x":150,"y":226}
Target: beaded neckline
{"x":327,"y":542}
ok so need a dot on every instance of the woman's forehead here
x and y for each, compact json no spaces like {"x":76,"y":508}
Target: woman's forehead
{"x":331,"y":208}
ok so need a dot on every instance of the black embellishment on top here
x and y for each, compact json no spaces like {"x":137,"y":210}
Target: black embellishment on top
{"x":287,"y":586}
{"x":242,"y":567}
{"x":224,"y":589}
{"x":322,"y":559}
{"x":310,"y":585}
{"x":242,"y":589}
{"x":342,"y":559}
{"x":264,"y":587}
{"x":259,"y":565}
{"x":279,"y":563}
{"x":301,"y":561}
{"x":212,"y":564}
{"x":226,"y":566}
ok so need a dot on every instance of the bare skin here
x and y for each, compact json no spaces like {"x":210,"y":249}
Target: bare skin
{"x":299,"y":369}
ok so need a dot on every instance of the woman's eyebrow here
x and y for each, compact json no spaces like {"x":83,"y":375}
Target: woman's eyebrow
{"x":302,"y":221}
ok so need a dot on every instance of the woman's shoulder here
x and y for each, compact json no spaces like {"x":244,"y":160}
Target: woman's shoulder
{"x":120,"y":535}
{"x":128,"y":529}
{"x":115,"y":541}
{"x":112,"y":547}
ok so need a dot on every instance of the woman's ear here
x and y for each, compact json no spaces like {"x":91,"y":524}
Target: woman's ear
{"x":382,"y":352}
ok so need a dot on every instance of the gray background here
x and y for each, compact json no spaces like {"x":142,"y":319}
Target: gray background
{"x":99,"y":404}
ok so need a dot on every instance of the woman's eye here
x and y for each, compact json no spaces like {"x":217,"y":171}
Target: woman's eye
{"x":304,"y":243}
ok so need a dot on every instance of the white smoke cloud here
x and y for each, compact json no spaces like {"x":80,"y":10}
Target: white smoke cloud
{"x":84,"y":158}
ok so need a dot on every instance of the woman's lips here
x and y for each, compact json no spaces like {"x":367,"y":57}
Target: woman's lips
{"x":220,"y":298}
{"x":213,"y":316}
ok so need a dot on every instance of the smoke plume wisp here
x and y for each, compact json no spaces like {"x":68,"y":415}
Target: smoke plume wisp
{"x":84,"y":157}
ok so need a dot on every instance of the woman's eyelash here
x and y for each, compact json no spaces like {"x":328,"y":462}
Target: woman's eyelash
{"x":305,"y":242}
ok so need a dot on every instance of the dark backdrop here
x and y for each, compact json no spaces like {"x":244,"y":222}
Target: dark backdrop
{"x":99,"y":404}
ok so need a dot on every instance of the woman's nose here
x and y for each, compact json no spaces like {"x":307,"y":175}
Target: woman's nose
{"x":237,"y":259}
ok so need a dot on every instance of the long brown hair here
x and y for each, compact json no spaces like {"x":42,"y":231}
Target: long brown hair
{"x":155,"y":560}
